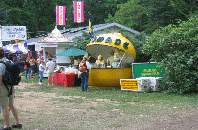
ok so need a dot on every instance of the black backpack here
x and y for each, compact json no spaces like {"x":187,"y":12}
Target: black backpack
{"x":11,"y":76}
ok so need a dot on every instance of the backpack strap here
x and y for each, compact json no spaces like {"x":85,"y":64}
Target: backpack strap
{"x":9,"y":90}
{"x":86,"y":66}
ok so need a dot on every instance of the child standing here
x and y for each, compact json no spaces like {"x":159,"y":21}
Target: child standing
{"x":41,"y":70}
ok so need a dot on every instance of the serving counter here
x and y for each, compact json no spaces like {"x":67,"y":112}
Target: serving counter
{"x":108,"y":77}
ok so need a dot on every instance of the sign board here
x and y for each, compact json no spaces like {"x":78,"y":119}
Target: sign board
{"x":129,"y":84}
{"x":38,"y":47}
{"x":9,"y":33}
{"x":146,"y":70}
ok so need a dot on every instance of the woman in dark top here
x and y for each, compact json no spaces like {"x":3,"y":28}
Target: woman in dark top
{"x":28,"y":71}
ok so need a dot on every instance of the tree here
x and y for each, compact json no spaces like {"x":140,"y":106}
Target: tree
{"x":176,"y":47}
{"x":147,"y":15}
{"x":81,"y":42}
{"x":138,"y":41}
{"x":3,"y":13}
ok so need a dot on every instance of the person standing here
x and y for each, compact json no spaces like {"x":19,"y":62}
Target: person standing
{"x":41,"y":70}
{"x":85,"y":75}
{"x":110,"y":59}
{"x":28,"y":70}
{"x":5,"y":101}
{"x":50,"y":66}
{"x":100,"y":62}
{"x":32,"y":65}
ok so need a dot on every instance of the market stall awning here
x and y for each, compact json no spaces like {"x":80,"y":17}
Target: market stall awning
{"x":16,"y":48}
{"x":72,"y":52}
{"x":55,"y":37}
{"x":116,"y":42}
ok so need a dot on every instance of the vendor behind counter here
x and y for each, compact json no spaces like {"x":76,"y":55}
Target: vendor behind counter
{"x":112,"y":62}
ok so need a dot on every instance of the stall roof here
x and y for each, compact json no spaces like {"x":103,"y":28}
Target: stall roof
{"x":71,"y":33}
{"x":55,"y":37}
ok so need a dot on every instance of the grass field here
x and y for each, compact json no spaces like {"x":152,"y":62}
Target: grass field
{"x":60,"y":108}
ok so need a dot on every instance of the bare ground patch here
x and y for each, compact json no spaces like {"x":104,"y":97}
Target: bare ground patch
{"x":44,"y":111}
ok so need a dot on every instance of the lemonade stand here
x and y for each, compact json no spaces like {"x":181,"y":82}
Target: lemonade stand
{"x":109,"y":76}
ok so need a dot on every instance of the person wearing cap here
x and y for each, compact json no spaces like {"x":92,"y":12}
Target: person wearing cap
{"x":111,"y":58}
{"x":100,"y":62}
{"x":50,"y":66}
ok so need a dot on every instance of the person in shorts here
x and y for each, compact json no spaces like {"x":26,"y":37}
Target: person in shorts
{"x":50,"y":66}
{"x":32,"y":65}
{"x":5,"y":101}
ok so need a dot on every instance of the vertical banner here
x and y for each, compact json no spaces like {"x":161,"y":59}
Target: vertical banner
{"x":90,"y":27}
{"x":78,"y":11}
{"x":60,"y":15}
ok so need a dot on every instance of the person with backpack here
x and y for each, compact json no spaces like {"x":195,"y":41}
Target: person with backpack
{"x":84,"y":68}
{"x":7,"y":91}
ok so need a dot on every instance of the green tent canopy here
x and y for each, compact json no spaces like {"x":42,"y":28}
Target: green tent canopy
{"x":72,"y":52}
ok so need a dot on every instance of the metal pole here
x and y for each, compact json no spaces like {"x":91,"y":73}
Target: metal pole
{"x":121,"y":60}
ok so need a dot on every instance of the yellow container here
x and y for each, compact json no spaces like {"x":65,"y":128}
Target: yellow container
{"x":108,"y":77}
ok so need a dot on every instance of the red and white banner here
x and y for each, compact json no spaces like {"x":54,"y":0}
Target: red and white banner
{"x":78,"y":11}
{"x":60,"y":15}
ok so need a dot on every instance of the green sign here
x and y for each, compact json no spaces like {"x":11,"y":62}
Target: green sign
{"x":147,"y":70}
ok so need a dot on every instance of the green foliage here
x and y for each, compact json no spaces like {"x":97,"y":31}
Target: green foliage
{"x":81,"y":42}
{"x":149,"y":15}
{"x":3,"y":13}
{"x":138,"y":41}
{"x":177,"y":48}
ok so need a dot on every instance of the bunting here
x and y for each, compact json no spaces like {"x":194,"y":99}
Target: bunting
{"x":78,"y":11}
{"x":60,"y":15}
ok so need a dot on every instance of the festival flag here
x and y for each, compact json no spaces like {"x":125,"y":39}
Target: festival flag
{"x":60,"y":15}
{"x":78,"y":11}
{"x":90,"y":27}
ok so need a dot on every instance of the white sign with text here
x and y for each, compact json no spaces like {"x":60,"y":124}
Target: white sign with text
{"x":10,"y":32}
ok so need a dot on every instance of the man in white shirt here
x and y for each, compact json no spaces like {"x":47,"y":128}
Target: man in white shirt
{"x":50,"y":66}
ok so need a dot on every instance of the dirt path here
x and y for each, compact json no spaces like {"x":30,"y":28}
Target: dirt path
{"x":49,"y":111}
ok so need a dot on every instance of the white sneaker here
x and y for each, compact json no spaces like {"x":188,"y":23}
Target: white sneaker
{"x":40,"y":83}
{"x":48,"y":84}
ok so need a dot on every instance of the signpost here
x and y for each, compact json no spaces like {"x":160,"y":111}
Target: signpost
{"x":146,"y":70}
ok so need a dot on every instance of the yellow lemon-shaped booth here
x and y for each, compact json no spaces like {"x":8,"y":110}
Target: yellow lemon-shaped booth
{"x":103,"y":45}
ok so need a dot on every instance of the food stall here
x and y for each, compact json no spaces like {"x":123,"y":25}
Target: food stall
{"x":110,"y":75}
{"x":70,"y":74}
{"x":54,"y":43}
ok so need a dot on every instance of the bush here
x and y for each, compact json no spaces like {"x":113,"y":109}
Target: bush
{"x":176,"y":47}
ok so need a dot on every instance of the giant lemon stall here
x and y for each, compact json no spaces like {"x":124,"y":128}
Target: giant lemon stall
{"x":109,"y":76}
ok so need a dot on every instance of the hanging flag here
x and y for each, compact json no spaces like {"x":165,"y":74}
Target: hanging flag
{"x":60,"y":15}
{"x":78,"y":11}
{"x":90,"y":27}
